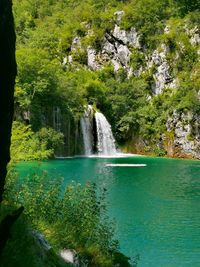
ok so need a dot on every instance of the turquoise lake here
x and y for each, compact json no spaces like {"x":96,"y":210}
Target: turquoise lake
{"x":156,"y":207}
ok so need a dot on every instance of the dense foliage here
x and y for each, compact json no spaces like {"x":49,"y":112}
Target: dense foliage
{"x":27,"y":145}
{"x":73,"y":218}
{"x":47,"y":78}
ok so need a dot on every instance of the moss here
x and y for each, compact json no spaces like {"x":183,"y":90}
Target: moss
{"x":169,"y":135}
{"x":190,"y":137}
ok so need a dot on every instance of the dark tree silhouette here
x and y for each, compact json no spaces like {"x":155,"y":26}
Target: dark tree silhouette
{"x":8,"y":71}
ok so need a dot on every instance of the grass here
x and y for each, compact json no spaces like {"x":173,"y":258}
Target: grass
{"x":24,"y":250}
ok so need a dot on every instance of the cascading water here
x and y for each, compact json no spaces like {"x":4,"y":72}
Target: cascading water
{"x":57,"y":119}
{"x":106,"y":141}
{"x":86,"y":127}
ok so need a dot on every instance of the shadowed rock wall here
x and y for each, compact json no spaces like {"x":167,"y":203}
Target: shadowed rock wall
{"x":7,"y":80}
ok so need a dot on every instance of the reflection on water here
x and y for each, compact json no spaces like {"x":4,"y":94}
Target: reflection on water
{"x":156,"y":207}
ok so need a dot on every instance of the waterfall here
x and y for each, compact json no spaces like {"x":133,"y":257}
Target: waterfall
{"x":106,"y":141}
{"x":97,"y":134}
{"x":57,"y":119}
{"x":86,"y":127}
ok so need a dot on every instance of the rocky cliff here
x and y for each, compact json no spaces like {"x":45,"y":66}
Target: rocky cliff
{"x":137,"y":61}
{"x":165,"y":66}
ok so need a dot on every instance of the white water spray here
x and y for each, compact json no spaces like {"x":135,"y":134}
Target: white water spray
{"x":106,"y":141}
{"x":57,"y":119}
{"x":86,"y":127}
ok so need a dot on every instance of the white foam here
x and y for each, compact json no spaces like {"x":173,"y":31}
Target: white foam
{"x":117,"y":155}
{"x":62,"y":157}
{"x":125,"y":165}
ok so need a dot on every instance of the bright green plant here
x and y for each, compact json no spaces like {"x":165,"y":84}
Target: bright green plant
{"x":74,"y":217}
{"x":27,"y":145}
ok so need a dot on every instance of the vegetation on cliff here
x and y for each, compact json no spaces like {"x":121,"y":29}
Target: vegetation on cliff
{"x":53,"y":71}
{"x":27,"y":145}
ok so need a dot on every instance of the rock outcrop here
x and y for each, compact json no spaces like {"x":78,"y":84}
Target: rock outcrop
{"x":115,"y":49}
{"x":162,"y":76}
{"x":184,"y":137}
{"x":194,"y":35}
{"x":92,"y":62}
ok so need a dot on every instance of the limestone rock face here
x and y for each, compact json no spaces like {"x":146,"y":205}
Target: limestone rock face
{"x":76,"y":43}
{"x":194,"y":35}
{"x":195,"y":39}
{"x":116,"y":64}
{"x":118,"y":15}
{"x":186,"y":134}
{"x":120,"y":34}
{"x":123,"y":54}
{"x":130,"y":37}
{"x":91,"y":53}
{"x":162,"y":76}
{"x":115,"y":49}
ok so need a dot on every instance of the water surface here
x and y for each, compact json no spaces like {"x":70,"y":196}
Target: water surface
{"x":156,"y":207}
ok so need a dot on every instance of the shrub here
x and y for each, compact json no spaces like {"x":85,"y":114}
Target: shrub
{"x":75,"y":217}
{"x":27,"y":145}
